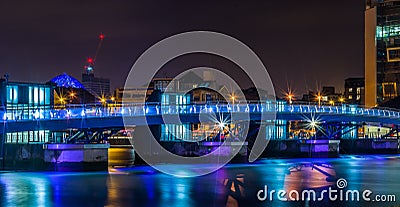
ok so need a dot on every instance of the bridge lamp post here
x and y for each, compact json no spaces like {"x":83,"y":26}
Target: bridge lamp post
{"x":341,"y":99}
{"x":233,"y":99}
{"x":115,"y":103}
{"x":319,"y":97}
{"x":103,"y":101}
{"x":62,"y":101}
{"x":290,"y":98}
{"x":71,"y":96}
{"x":313,"y":124}
{"x":221,"y":126}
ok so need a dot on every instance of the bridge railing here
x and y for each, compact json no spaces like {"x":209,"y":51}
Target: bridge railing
{"x":133,"y":109}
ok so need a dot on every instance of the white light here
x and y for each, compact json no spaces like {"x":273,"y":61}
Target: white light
{"x":36,"y":114}
{"x":313,"y":123}
{"x":221,"y":125}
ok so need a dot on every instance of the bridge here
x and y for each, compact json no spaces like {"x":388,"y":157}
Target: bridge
{"x":95,"y":116}
{"x":85,"y":128}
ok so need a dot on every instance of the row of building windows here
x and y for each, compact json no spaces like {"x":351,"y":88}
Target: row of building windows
{"x":36,"y":95}
{"x":387,"y":31}
{"x":41,"y":136}
{"x":176,"y":132}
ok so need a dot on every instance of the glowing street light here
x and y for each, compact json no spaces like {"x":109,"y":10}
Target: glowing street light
{"x":313,"y":124}
{"x":341,"y":99}
{"x":72,"y":95}
{"x":290,"y":96}
{"x":233,"y":97}
{"x":221,"y":125}
{"x":319,"y":98}
{"x":331,"y":102}
{"x":61,"y":100}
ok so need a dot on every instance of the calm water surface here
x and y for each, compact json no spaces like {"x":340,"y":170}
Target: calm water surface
{"x":233,"y":185}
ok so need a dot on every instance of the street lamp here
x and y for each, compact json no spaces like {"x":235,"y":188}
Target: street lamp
{"x":71,"y":96}
{"x":319,"y":97}
{"x":103,"y":100}
{"x":341,"y":99}
{"x":290,"y":98}
{"x":113,"y":100}
{"x":233,"y":97}
{"x":331,"y":102}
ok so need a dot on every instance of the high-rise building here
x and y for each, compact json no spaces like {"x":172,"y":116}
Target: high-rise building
{"x":99,"y":87}
{"x":382,"y":51}
{"x":354,"y":90}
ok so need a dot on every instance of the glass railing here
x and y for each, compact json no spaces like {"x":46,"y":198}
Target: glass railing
{"x":112,"y":110}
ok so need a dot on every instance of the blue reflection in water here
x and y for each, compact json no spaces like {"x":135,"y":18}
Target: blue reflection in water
{"x":24,"y":189}
{"x":233,"y":185}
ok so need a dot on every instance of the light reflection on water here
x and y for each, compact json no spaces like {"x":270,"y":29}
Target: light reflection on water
{"x":233,"y":185}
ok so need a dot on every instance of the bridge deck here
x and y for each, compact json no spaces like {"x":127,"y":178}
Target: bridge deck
{"x":101,"y":117}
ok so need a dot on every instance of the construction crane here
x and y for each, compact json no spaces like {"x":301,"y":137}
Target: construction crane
{"x":91,"y":61}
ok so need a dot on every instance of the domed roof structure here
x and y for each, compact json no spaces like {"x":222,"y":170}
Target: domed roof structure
{"x":64,"y":80}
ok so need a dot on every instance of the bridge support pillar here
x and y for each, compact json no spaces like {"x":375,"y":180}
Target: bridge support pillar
{"x":76,"y":157}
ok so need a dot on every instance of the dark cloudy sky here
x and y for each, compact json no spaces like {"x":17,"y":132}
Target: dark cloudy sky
{"x":301,"y":42}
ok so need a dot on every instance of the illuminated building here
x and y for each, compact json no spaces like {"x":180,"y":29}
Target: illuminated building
{"x":354,"y":91}
{"x":131,"y":95}
{"x":382,"y":50}
{"x":66,"y":81}
{"x":26,"y":101}
{"x":98,"y":87}
{"x":70,"y":91}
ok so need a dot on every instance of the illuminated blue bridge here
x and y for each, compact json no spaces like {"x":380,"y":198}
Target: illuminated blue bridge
{"x":95,"y":116}
{"x":86,"y":132}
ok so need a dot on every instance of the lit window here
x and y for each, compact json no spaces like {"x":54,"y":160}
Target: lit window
{"x":41,"y":96}
{"x":47,"y":96}
{"x":12,"y":94}
{"x":350,"y":97}
{"x":350,"y":90}
{"x":35,"y":95}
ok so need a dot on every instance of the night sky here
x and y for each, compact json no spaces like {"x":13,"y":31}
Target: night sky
{"x":304,"y":43}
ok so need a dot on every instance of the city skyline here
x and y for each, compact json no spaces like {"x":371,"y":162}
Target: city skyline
{"x":42,"y":41}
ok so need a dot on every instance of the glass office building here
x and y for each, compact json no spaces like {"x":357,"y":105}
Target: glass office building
{"x":382,"y":50}
{"x":21,"y":101}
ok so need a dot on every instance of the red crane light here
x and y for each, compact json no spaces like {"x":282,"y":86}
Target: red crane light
{"x":90,"y":60}
{"x":101,"y":36}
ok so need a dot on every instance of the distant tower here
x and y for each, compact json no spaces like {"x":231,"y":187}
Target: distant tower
{"x":99,"y":87}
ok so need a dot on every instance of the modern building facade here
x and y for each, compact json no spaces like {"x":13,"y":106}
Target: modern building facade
{"x":70,"y":91}
{"x":21,"y":100}
{"x":26,"y":101}
{"x":98,"y":87}
{"x":354,"y":90}
{"x":382,"y":51}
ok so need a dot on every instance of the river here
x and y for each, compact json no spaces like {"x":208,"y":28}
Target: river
{"x":233,"y":185}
